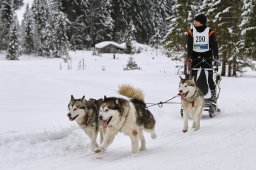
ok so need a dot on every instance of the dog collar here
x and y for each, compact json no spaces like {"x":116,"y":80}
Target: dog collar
{"x":193,"y":103}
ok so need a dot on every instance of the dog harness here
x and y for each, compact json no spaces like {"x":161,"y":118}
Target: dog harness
{"x":193,"y":101}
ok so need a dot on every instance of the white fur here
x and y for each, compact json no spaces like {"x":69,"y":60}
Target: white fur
{"x":126,"y":124}
{"x":195,"y":109}
{"x":89,"y":130}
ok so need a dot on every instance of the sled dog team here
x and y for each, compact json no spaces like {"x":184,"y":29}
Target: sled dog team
{"x":111,"y":115}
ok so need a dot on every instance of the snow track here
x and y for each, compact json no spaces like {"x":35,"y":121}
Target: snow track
{"x":35,"y":133}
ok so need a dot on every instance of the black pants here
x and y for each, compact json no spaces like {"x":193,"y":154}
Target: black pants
{"x":204,"y":63}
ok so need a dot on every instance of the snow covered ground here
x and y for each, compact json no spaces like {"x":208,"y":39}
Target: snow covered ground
{"x":35,"y":132}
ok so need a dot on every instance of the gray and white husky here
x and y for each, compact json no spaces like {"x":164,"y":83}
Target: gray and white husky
{"x":192,"y":102}
{"x":128,"y":116}
{"x":85,"y":113}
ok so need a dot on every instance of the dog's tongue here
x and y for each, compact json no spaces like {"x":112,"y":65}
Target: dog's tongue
{"x":104,"y":124}
{"x":183,"y":96}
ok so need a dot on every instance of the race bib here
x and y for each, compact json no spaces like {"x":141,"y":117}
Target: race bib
{"x":200,"y":40}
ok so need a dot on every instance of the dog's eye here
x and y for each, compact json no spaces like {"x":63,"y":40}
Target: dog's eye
{"x":75,"y":109}
{"x":186,"y":86}
{"x":106,"y":110}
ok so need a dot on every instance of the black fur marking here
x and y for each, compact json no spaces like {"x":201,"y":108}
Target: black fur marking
{"x":115,"y":103}
{"x":94,"y":109}
{"x":145,"y":117}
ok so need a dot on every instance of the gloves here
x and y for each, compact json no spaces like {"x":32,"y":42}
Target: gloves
{"x":187,"y":60}
{"x":216,"y":63}
{"x":187,"y":66}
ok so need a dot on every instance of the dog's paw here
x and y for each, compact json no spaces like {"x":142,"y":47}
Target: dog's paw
{"x":153,"y":135}
{"x":93,"y":147}
{"x":133,"y":154}
{"x":184,"y":130}
{"x":142,"y":148}
{"x":98,"y":150}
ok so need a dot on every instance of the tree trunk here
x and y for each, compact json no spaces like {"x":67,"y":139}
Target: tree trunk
{"x":234,"y":67}
{"x":229,"y":65}
{"x":223,"y":64}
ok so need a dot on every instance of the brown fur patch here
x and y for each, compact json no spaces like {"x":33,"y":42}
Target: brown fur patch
{"x":134,"y":132}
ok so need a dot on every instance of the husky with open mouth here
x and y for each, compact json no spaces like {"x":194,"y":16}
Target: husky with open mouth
{"x":85,"y":113}
{"x":128,"y":116}
{"x":192,"y":101}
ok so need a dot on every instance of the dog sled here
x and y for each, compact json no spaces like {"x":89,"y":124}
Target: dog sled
{"x":211,"y":104}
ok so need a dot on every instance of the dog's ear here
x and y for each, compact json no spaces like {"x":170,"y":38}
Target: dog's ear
{"x":72,"y":97}
{"x":83,"y":98}
{"x":104,"y":98}
{"x":193,"y":79}
{"x":182,"y":80}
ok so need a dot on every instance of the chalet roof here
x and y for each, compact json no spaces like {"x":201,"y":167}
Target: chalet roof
{"x":106,"y":43}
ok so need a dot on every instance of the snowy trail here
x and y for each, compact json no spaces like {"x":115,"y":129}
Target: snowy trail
{"x":36,"y":134}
